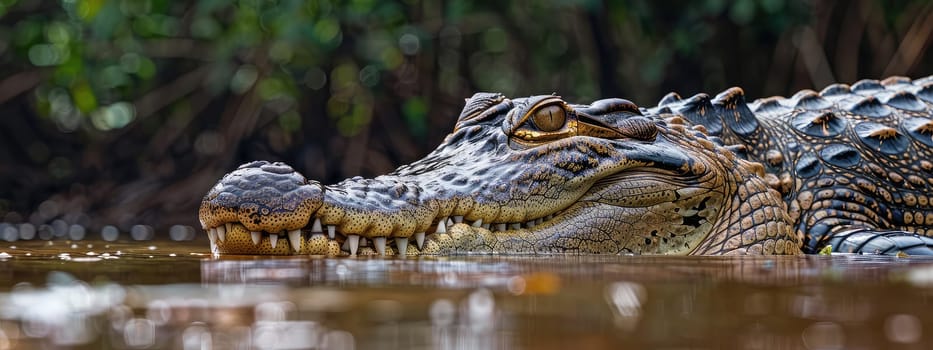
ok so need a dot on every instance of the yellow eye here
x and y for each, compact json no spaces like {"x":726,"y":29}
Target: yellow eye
{"x":550,"y":118}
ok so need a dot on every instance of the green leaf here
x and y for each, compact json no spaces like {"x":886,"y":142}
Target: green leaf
{"x":84,"y":97}
{"x":88,"y":9}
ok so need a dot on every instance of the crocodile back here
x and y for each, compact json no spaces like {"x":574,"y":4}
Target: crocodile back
{"x":847,"y":156}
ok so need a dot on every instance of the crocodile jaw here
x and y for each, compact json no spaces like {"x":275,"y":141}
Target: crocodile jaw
{"x":367,"y":216}
{"x":601,"y":222}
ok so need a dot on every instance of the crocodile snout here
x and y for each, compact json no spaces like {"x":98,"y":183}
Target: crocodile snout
{"x":259,"y":197}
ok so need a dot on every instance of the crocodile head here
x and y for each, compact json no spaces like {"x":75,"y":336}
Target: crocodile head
{"x":527,"y":175}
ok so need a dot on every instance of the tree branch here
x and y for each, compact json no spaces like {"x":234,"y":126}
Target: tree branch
{"x":19,"y":83}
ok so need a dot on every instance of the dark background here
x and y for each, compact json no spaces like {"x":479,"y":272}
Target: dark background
{"x":126,"y":112}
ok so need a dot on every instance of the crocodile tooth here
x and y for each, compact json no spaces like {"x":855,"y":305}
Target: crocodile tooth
{"x":449,"y":222}
{"x":380,"y":243}
{"x":500,"y":227}
{"x":354,"y":243}
{"x":458,"y":219}
{"x":294,"y":238}
{"x":530,"y":224}
{"x":441,"y":226}
{"x":478,"y":223}
{"x":419,"y":238}
{"x":256,"y":237}
{"x":486,"y":226}
{"x":212,"y":234}
{"x":221,"y":232}
{"x":331,"y":231}
{"x":273,"y":239}
{"x":538,"y":221}
{"x":316,"y":227}
{"x":364,"y":242}
{"x":402,"y":244}
{"x":223,"y":237}
{"x":516,"y":225}
{"x":549,"y":217}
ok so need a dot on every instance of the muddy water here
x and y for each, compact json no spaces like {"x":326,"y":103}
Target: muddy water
{"x":172,"y":295}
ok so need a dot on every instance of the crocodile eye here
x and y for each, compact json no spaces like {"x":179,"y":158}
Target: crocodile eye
{"x":550,"y":118}
{"x":542,"y":119}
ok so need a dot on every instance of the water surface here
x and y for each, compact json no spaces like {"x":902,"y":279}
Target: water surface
{"x":174,"y":295}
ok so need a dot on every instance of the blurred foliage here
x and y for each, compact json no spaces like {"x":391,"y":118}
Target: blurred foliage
{"x":126,"y":111}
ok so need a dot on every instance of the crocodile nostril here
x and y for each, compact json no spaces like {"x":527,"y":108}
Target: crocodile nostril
{"x":277,"y":168}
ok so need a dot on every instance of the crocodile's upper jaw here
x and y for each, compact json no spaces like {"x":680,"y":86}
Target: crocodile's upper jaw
{"x":541,"y":174}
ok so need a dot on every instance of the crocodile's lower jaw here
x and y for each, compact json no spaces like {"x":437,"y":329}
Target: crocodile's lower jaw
{"x":449,"y":238}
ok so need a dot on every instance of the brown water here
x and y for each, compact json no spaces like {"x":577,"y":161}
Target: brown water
{"x":173,"y":295}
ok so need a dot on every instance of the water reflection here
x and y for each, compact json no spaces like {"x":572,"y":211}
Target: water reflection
{"x":645,"y":302}
{"x":626,"y":299}
{"x":169,"y":295}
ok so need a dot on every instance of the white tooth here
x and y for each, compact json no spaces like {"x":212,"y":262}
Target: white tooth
{"x":516,"y":225}
{"x":212,"y":235}
{"x":273,"y":239}
{"x":229,"y":228}
{"x":402,"y":244}
{"x":538,"y":221}
{"x":450,"y":222}
{"x":500,"y":227}
{"x":549,"y":217}
{"x":486,"y":226}
{"x":441,"y":227}
{"x":222,"y":232}
{"x":364,"y":242}
{"x":530,"y":224}
{"x":331,"y":231}
{"x":419,"y":238}
{"x":294,"y":238}
{"x":345,"y":245}
{"x":354,"y":243}
{"x":256,"y":237}
{"x":458,"y":219}
{"x":380,"y":243}
{"x":478,"y":223}
{"x":316,"y":227}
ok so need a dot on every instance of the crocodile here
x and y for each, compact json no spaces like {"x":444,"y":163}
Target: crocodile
{"x":847,"y":168}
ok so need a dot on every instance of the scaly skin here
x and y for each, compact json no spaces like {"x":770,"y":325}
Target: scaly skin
{"x":852,"y":162}
{"x":539,"y":175}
